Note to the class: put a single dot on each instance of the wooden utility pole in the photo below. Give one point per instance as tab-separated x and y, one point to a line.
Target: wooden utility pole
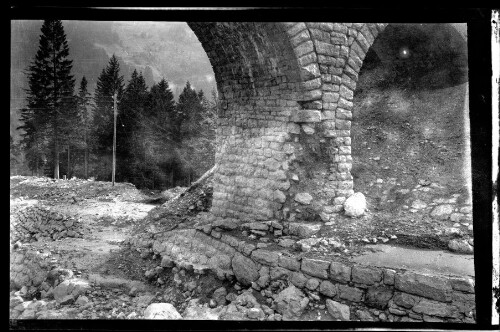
114	139
67	172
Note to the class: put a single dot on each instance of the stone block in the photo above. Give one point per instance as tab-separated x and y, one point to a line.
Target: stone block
308	130
291	303
366	275
327	288
306	116
434	308
279	196
343	114
343	124
265	257
326	48
389	276
277	272
432	287
304	48
340	272
463	284
312	283
405	300
245	269
303	230
352	294
338	310
298	279
310	71
315	267
378	297
290	263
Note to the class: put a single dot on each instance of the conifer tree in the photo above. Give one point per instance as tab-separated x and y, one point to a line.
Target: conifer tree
85	117
161	106
131	119
188	113
50	95
108	82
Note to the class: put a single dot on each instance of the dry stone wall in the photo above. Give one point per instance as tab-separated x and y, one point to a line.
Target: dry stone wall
357	292
28	268
283	131
39	223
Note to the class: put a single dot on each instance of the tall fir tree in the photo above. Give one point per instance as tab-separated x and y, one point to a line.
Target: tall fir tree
85	117
130	120
188	113
49	95
108	82
161	107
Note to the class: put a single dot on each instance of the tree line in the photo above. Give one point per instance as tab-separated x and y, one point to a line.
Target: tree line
160	143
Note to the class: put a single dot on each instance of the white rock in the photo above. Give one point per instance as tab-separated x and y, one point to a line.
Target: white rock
442	212
355	205
338	310
303	198
161	311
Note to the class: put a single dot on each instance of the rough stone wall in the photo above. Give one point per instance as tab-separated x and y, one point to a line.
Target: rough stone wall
258	83
283	129
28	268
371	293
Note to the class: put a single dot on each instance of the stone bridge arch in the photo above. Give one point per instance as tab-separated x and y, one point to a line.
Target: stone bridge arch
283	135
283	139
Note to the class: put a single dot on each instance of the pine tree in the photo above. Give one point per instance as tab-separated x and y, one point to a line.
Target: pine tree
158	147
108	82
50	95
130	119
161	107
85	116
188	113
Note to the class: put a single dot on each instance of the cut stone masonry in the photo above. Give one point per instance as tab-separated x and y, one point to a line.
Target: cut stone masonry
286	93
409	295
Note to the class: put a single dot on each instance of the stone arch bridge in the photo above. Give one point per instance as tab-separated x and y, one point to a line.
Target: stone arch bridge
286	96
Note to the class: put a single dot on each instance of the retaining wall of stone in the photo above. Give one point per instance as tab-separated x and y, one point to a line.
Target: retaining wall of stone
39	223
372	293
28	267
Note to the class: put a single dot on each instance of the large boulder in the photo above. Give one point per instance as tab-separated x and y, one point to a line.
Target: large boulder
245	270
70	289
355	205
291	303
161	311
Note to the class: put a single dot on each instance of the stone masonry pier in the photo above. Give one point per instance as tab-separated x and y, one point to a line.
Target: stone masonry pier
283	134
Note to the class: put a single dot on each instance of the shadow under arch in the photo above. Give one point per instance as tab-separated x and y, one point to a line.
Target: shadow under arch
410	119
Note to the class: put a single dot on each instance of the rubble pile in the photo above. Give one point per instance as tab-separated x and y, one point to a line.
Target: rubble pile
181	208
71	191
36	222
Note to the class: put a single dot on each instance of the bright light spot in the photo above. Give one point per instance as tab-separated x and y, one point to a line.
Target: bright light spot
209	78
404	52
